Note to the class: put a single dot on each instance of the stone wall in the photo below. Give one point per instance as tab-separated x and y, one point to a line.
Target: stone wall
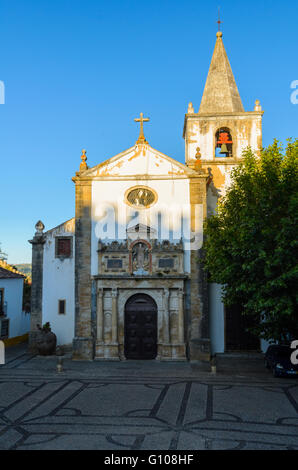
83	343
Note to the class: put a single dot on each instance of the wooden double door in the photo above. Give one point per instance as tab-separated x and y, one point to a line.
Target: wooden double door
140	327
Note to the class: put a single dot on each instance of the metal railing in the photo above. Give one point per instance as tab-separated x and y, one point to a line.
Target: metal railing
4	328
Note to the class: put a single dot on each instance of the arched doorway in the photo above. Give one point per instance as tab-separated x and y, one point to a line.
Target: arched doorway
140	327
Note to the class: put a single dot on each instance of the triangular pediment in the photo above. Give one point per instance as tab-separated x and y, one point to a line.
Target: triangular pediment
140	231
140	228
139	160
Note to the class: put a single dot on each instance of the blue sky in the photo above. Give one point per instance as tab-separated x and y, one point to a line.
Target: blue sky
77	72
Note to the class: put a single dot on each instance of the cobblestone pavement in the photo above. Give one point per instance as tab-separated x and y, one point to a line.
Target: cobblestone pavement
143	405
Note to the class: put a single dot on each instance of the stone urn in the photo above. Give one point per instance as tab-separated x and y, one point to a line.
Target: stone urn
213	364
46	341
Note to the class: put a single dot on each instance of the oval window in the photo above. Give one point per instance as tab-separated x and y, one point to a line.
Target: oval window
141	197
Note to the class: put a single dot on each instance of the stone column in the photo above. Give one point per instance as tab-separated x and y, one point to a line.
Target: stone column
166	327
114	316
180	316
165	352
198	334
99	350
177	325
99	314
111	345
83	341
37	243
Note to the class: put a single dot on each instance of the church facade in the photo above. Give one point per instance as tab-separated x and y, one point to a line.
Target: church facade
124	279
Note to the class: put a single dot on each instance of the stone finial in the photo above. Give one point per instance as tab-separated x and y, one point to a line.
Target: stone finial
39	227
83	165
258	107
198	162
198	153
190	109
219	34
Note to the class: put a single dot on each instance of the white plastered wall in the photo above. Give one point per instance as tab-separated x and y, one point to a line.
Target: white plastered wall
58	284
109	211
19	322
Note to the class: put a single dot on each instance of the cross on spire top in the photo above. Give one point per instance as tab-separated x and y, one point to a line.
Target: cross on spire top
218	21
141	120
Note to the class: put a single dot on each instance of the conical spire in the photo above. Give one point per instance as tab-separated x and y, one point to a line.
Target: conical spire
221	94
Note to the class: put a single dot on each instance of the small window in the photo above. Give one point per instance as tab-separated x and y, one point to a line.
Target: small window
4	328
63	247
61	307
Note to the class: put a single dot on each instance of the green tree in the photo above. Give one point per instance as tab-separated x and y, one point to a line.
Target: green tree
3	256
251	242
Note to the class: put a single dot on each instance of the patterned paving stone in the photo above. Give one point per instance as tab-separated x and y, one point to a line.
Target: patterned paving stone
114	408
69	414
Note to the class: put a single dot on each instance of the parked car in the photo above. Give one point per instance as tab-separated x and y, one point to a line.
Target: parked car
278	359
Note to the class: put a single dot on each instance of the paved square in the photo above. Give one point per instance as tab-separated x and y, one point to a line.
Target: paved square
142	405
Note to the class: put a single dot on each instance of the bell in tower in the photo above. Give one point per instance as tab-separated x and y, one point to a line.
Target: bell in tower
224	142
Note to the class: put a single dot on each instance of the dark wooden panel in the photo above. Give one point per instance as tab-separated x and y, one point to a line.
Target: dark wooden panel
140	328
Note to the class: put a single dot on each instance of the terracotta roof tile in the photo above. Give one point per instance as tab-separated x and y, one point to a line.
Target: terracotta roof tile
6	274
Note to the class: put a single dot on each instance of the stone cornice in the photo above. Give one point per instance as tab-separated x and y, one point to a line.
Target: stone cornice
222	161
81	180
37	240
136	277
88	179
219	115
214	116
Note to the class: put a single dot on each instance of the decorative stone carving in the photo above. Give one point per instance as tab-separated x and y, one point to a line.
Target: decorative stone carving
83	165
166	245
46	341
190	109
39	226
112	247
140	258
257	107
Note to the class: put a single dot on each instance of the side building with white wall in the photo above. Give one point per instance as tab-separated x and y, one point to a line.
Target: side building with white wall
14	322
58	281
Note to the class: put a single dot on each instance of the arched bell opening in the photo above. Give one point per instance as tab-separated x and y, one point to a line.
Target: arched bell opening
223	143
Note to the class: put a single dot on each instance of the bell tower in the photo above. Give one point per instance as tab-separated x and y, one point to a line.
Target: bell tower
221	129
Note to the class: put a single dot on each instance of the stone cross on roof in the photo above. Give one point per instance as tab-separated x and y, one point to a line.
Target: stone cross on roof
218	21
141	120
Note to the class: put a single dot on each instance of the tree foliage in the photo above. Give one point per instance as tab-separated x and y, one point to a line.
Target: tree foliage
251	242
3	256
